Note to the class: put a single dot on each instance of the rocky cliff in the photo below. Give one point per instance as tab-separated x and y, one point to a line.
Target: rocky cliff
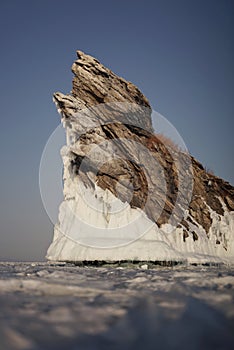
129	192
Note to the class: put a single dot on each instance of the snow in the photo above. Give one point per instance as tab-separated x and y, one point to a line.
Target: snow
205	248
95	225
62	306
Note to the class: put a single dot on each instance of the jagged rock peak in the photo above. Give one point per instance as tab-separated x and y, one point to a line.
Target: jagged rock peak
93	83
113	159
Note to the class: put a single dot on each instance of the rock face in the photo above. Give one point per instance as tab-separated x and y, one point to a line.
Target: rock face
129	192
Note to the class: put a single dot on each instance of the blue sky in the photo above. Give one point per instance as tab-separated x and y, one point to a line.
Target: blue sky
180	53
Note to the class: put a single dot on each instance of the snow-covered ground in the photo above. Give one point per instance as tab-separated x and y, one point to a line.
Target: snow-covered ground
62	306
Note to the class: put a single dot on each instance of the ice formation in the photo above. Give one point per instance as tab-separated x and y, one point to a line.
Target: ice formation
129	195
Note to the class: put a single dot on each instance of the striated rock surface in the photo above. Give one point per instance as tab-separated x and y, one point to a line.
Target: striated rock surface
129	192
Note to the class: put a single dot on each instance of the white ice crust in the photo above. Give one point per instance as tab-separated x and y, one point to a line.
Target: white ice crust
95	225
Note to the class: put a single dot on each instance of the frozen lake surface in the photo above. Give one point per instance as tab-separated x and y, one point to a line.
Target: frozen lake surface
63	306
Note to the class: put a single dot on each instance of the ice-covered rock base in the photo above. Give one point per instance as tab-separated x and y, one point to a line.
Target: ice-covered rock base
95	225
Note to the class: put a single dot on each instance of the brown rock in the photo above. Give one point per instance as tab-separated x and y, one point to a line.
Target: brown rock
130	177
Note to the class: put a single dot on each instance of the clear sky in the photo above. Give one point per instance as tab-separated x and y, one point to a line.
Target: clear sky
180	53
